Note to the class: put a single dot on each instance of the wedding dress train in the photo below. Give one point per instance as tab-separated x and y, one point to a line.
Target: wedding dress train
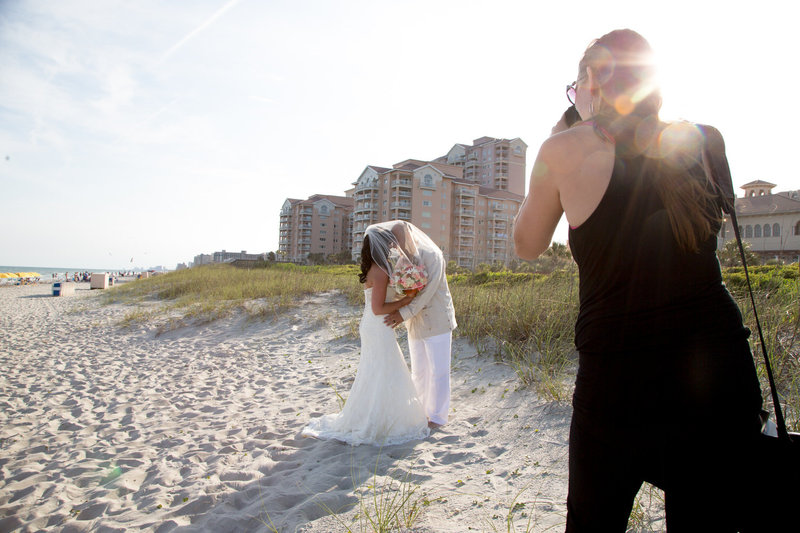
382	407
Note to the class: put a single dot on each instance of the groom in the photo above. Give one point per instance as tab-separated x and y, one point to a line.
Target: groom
430	319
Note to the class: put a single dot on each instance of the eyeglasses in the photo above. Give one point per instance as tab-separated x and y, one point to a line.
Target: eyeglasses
572	92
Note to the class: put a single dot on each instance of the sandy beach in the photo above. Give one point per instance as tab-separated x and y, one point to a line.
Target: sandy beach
105	427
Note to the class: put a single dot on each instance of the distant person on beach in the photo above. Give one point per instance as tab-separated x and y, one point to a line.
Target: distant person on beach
430	320
666	390
383	407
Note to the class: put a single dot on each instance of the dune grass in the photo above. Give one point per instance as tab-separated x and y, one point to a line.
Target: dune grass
210	292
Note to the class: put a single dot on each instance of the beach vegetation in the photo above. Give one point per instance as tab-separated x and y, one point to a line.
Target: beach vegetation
203	294
391	502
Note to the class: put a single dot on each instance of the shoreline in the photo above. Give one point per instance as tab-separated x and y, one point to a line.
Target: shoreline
198	428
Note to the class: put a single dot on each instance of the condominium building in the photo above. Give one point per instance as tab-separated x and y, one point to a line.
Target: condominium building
465	201
225	257
493	163
470	223
322	224
769	222
203	259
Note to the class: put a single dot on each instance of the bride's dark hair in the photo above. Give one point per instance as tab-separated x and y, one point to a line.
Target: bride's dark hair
366	260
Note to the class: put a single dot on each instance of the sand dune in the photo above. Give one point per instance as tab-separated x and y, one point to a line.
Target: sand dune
107	428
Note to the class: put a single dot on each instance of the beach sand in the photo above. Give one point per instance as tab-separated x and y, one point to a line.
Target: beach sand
111	428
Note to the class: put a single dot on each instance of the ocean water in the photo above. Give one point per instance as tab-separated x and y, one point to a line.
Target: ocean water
48	272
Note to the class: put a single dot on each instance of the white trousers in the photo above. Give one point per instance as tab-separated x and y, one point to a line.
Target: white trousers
430	370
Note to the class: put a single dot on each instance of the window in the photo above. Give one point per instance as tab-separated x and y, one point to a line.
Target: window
427	203
748	231
427	193
427	181
757	231
767	230
776	230
425	225
426	214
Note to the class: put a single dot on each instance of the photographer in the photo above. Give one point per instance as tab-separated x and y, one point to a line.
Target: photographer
666	390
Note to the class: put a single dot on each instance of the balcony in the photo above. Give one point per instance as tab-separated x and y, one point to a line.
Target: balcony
465	233
365	209
465	192
466	222
465	212
403	216
401	182
367	187
401	205
470	203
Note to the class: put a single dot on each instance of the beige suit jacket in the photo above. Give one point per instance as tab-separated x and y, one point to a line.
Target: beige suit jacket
431	313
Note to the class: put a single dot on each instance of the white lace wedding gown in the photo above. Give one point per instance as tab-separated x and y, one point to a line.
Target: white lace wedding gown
383	407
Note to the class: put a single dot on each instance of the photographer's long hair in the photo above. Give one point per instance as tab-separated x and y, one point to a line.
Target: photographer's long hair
627	108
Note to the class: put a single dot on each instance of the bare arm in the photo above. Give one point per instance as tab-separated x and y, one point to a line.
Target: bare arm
541	210
380	282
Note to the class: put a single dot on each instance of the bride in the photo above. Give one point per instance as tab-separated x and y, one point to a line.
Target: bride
383	407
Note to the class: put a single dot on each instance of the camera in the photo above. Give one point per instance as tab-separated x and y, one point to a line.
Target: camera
571	116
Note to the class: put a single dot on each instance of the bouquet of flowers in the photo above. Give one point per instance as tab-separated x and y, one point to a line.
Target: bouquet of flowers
406	276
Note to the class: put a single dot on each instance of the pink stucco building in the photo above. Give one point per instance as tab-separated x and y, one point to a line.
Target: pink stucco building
320	224
465	201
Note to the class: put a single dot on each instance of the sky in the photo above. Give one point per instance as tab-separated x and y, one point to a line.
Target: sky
137	134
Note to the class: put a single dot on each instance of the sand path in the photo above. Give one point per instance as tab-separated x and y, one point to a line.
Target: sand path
110	428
